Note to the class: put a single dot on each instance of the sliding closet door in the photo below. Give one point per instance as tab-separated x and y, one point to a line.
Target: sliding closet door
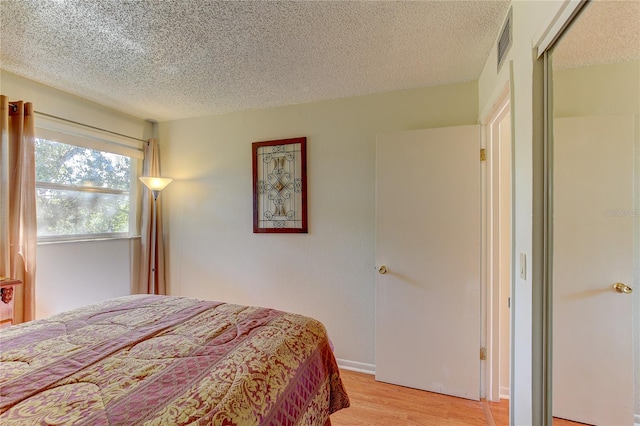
593	250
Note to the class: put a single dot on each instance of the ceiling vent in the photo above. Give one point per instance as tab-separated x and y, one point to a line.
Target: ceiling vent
506	37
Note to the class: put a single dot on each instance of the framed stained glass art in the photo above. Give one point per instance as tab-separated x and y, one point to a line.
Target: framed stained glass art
280	186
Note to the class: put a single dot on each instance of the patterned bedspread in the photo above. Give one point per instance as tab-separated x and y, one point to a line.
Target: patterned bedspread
160	360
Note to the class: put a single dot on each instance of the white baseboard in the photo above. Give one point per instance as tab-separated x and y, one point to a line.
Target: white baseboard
504	392
360	367
636	419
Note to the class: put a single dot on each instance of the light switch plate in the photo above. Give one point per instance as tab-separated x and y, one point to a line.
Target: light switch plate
523	266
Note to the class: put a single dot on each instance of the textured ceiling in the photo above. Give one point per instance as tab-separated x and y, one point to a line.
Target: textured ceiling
171	59
605	32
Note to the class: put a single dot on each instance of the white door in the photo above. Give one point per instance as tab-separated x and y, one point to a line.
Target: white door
593	240
428	237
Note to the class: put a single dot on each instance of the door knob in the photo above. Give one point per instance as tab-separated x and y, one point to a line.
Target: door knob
383	269
622	288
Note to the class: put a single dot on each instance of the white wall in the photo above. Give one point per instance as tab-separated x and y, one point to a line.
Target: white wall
328	273
75	274
530	20
61	104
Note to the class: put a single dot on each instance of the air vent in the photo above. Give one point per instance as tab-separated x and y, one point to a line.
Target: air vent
504	42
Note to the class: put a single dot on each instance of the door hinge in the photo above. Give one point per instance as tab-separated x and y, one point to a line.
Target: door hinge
483	154
483	354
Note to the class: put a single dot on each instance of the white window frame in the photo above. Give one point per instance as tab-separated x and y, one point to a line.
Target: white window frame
59	130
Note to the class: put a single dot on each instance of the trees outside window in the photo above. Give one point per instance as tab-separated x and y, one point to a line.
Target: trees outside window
81	192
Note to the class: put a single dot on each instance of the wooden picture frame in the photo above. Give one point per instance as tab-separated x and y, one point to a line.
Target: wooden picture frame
280	186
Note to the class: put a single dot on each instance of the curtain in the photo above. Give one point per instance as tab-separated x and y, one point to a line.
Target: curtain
18	226
149	250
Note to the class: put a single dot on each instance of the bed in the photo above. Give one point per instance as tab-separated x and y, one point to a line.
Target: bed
162	360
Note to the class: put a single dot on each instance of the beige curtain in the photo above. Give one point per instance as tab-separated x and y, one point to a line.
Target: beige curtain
151	167
18	227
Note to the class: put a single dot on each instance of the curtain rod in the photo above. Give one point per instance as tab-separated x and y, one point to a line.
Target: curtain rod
15	108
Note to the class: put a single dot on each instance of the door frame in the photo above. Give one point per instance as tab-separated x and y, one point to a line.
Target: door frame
492	242
490	247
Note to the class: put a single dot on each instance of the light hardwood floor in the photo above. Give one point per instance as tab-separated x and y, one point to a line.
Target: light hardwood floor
500	414
381	404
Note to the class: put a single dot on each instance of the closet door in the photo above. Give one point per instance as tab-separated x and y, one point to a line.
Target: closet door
593	250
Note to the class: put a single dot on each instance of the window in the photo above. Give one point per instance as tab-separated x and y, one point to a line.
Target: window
84	190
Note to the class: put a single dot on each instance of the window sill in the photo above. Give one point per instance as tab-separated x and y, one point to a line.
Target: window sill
74	240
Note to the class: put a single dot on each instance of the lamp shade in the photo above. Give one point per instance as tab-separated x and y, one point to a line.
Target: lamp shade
155	183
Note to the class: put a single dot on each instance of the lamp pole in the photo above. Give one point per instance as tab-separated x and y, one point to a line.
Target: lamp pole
153	247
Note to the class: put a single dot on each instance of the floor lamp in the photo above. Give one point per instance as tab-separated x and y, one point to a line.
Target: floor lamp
155	185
